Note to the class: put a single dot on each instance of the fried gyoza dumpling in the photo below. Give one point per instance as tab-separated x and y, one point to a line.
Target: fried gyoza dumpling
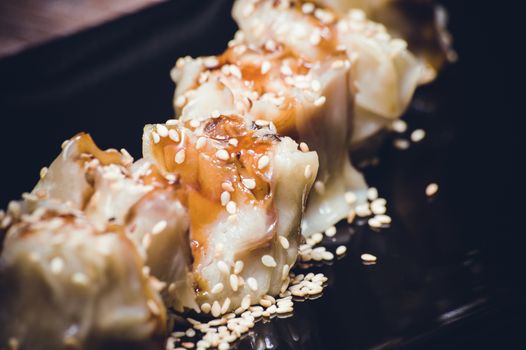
311	102
422	23
246	188
65	284
384	73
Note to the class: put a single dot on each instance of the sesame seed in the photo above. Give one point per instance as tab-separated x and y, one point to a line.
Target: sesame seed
231	207
211	62
234	70
384	219
238	267
57	265
222	154
249	183
315	37
418	135
265	67
285	69
252	283
234	142
262	122
399	126
223	346
80	278
156	137
319	187
43	172
218	288
373	222
225	198
320	101
180	156
341	250
304	147
154	308
268	261
194	123
284	242
245	302
215	114
234	282
223	267
431	189
327	256
315	85
216	309
307	7
173	135
350	197
368	257
363	210
285	271
263	161
159	227
330	232
200	142
227	186
372	193
401	144
162	130
226	306
190	332
308	171
206	307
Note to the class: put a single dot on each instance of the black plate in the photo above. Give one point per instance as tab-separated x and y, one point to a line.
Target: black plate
446	268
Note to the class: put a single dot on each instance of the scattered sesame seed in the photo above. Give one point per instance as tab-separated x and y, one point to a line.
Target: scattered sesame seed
159	227
265	67
226	305
180	156
363	210
285	271
222	154
308	171
319	187
263	161
162	130
372	193
80	278
173	135
57	265
245	302
156	137
399	126
431	189
43	172
231	207
234	142
252	284
268	261
284	242
215	114
320	101
223	267
227	186
401	144
249	183
368	257
225	198
341	250
285	69
206	307
307	7
262	122
384	219
304	147
190	332
373	222
238	267
330	232
234	282
218	288
350	197
418	135
200	142
194	123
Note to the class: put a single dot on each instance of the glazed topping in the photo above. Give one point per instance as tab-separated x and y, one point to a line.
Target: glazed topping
221	163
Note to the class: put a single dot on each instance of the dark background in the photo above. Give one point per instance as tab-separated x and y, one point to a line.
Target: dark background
111	80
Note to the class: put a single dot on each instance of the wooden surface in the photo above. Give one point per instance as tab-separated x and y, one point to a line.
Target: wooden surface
25	23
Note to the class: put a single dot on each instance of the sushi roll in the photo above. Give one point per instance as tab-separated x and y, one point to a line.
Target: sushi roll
384	73
245	192
66	284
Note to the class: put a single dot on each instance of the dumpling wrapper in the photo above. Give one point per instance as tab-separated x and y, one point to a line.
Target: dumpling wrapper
246	191
311	102
66	284
384	73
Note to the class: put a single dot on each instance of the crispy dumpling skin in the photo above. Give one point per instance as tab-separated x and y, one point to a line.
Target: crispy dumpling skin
384	73
64	284
244	191
311	102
